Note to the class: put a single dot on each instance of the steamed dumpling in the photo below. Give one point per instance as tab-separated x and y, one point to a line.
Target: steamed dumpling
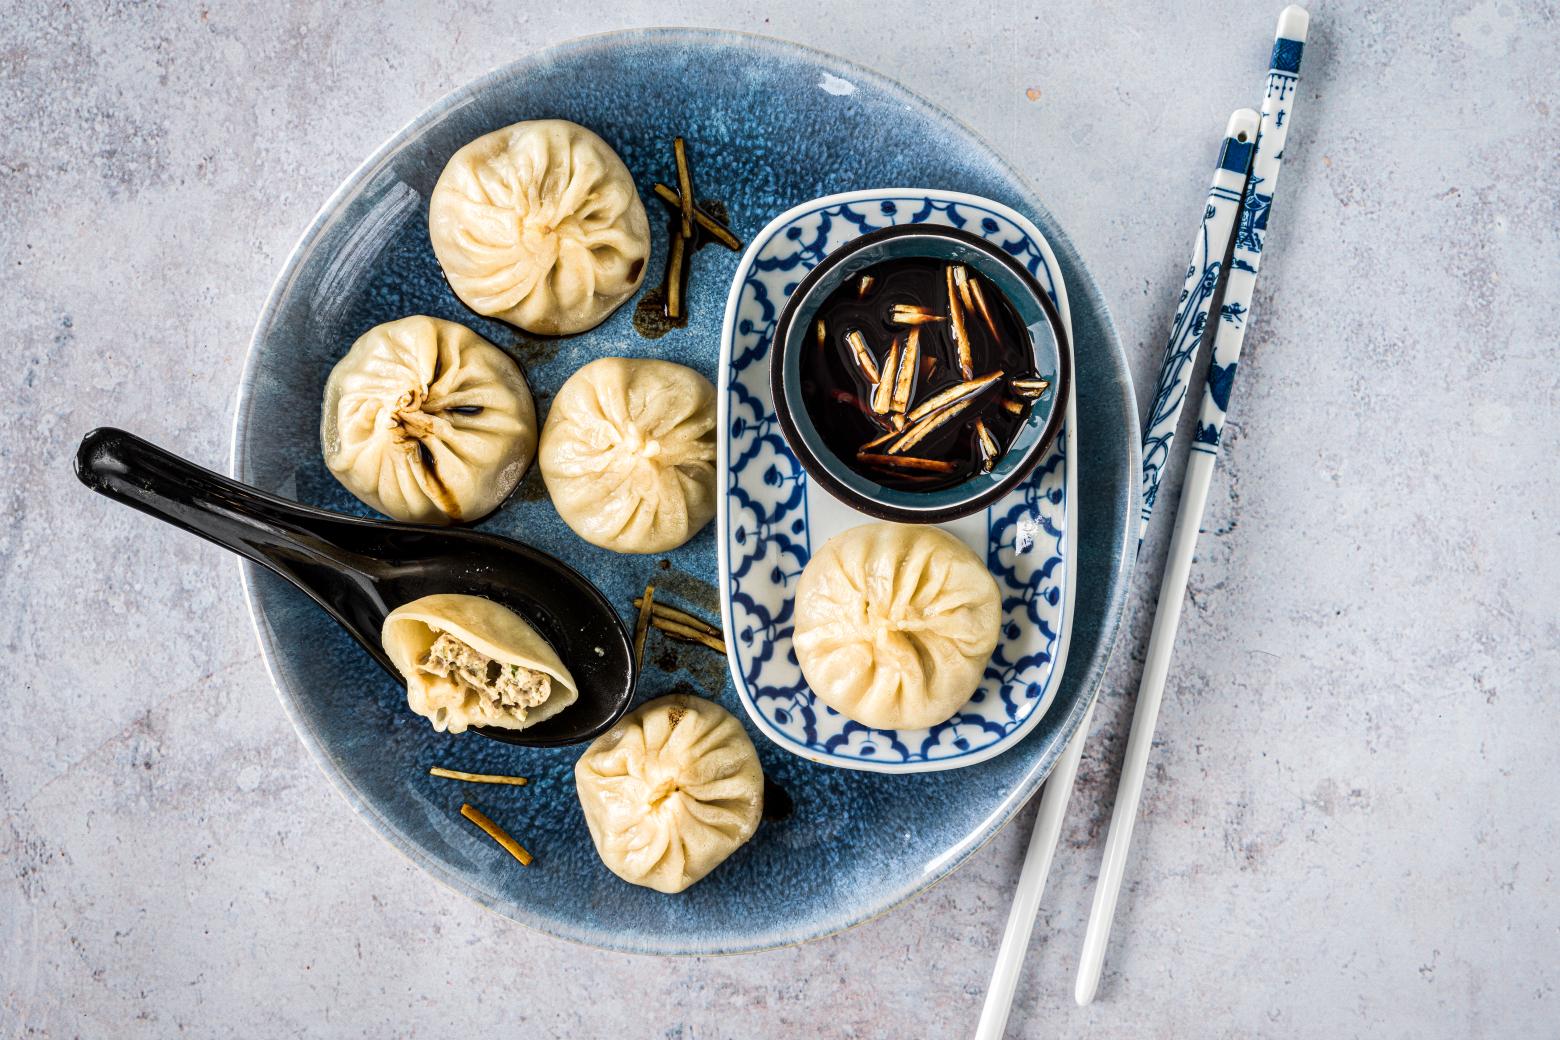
468	661
628	453
428	422
895	624
539	224
670	792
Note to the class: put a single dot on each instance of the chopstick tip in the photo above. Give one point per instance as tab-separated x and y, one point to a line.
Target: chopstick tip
1293	21
1243	125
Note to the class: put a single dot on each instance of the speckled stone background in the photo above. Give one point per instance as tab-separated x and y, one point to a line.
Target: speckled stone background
1350	828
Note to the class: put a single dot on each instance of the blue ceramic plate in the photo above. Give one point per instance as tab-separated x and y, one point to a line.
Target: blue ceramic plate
769	125
772	515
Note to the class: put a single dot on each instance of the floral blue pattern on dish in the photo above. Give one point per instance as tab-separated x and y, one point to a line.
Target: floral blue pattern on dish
773	516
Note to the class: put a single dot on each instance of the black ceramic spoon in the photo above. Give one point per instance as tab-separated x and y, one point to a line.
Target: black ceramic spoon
360	570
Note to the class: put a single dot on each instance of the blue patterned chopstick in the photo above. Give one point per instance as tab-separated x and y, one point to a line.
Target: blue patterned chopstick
1231	330
1283	77
1191	317
1191	313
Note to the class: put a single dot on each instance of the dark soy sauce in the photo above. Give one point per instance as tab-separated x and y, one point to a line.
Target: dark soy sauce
778	803
838	395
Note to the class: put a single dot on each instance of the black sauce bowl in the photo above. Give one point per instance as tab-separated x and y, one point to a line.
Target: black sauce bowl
1036	311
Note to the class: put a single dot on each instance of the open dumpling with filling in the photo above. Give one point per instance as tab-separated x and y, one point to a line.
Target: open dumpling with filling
539	224
628	454
427	422
895	624
670	791
469	661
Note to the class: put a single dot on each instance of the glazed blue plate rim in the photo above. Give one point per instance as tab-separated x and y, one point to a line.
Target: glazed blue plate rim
1067	434
1122	543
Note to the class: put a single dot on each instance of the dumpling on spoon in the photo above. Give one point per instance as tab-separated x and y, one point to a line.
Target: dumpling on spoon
539	225
468	661
628	454
428	422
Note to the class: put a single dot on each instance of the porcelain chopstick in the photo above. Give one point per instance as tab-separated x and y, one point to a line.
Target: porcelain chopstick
1191	314
1031	885
1283	77
1213	235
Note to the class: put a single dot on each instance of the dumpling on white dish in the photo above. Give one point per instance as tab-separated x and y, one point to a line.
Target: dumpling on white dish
468	661
539	224
628	454
670	792
895	624
428	422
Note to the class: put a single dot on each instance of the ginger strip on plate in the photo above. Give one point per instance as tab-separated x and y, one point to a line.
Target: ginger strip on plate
497	833
477	778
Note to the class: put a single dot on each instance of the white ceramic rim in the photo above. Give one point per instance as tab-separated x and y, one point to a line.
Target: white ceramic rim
722	464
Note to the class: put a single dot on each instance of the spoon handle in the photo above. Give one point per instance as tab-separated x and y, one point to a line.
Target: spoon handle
301	544
268	530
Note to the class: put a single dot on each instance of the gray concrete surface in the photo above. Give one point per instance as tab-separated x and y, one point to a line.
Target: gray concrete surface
1350	829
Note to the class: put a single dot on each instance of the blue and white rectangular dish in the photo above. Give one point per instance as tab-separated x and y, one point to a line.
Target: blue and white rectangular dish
771	515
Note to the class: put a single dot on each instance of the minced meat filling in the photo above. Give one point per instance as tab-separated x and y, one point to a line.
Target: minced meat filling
509	686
